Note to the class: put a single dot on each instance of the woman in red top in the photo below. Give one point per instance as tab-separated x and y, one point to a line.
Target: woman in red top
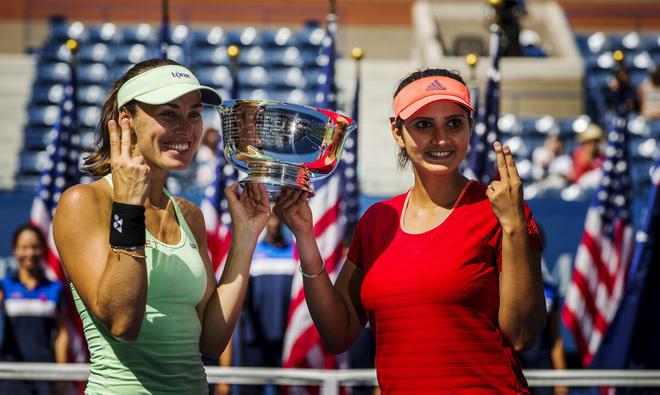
448	274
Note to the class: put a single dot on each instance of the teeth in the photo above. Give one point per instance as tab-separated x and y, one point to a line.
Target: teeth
440	154
178	146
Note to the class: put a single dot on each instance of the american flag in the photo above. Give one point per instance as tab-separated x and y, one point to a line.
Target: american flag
303	347
165	29
481	158
215	209
60	172
604	254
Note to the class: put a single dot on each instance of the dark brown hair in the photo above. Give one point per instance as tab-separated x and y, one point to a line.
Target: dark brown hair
402	156
98	162
28	228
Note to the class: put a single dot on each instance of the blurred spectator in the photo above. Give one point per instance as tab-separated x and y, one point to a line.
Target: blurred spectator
548	352
588	157
649	94
509	13
620	88
530	43
35	326
205	160
259	335
551	167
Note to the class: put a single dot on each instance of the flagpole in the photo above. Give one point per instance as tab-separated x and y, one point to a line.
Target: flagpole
234	51
164	29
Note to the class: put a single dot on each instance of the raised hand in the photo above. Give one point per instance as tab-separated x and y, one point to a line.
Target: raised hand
293	209
249	210
130	173
506	195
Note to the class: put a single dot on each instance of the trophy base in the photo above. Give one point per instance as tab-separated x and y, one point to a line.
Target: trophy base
277	175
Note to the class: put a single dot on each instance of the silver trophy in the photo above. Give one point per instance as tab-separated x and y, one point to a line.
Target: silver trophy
282	144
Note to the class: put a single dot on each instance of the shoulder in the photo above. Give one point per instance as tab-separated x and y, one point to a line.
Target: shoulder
85	200
87	194
192	214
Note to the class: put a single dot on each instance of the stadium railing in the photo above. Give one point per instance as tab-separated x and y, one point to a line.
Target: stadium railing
330	381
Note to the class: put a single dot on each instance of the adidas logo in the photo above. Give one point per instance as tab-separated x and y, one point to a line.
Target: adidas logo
436	86
117	223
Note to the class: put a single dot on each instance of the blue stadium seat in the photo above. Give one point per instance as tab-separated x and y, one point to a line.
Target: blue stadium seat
143	34
87	138
651	43
288	77
244	37
94	73
95	53
630	42
180	35
133	53
282	37
253	77
285	56
216	76
311	56
47	94
105	33
91	95
55	52
255	94
310	36
654	128
312	75
53	72
210	56
640	172
27	183
644	148
177	54
252	56
638	61
33	162
209	37
570	125
60	31
43	115
88	116
37	138
542	125
297	96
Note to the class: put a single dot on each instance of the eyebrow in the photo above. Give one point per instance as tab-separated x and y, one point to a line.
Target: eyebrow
462	115
176	106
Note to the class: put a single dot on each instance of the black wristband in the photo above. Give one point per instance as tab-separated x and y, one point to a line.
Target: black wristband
127	227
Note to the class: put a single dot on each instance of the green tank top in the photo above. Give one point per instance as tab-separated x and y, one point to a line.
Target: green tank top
165	359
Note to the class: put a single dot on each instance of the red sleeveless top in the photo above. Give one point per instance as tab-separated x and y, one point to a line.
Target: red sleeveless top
432	299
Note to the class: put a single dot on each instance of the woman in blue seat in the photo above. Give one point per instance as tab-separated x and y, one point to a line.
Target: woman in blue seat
136	257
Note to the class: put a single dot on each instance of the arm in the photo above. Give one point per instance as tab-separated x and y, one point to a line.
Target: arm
112	285
522	306
249	214
336	310
61	337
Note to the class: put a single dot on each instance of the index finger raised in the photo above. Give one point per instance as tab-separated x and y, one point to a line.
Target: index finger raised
501	162
115	149
125	138
510	164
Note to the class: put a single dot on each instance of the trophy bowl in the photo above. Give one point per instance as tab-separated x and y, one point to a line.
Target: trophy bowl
282	144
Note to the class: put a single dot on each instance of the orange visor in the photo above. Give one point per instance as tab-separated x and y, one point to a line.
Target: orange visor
428	90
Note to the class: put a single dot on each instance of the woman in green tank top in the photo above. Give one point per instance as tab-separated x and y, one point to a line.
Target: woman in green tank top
136	257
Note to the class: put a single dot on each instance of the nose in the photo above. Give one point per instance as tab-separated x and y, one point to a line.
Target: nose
439	136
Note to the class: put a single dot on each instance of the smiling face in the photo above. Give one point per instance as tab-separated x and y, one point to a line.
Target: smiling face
28	250
168	134
436	137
